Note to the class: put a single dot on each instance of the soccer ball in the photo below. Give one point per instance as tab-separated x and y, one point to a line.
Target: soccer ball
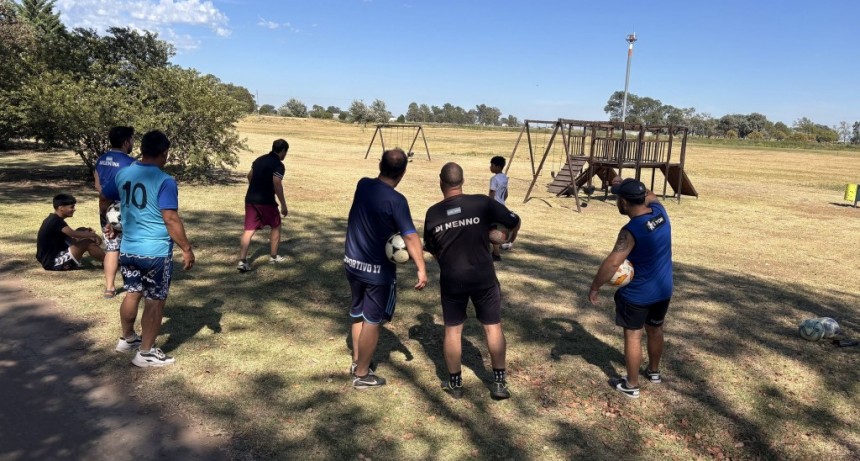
498	233
811	330
831	327
395	249
623	275
114	217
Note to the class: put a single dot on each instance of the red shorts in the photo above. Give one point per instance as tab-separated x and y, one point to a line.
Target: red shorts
260	216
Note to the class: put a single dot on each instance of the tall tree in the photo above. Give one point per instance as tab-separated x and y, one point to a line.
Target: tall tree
40	13
17	40
358	112
267	109
379	112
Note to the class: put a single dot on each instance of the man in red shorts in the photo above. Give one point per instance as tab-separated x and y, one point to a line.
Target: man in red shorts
261	209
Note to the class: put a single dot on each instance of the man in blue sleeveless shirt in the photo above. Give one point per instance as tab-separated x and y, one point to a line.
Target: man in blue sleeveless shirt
377	212
151	224
107	165
646	241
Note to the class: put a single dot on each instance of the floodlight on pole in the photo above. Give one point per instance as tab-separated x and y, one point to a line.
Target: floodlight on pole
630	39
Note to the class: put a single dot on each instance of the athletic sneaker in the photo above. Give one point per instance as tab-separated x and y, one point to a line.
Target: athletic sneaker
155	357
125	345
243	266
453	391
497	257
370	370
366	382
499	390
653	376
622	387
507	246
277	259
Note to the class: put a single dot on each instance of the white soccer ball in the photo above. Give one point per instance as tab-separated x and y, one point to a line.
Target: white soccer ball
498	233
395	249
623	275
811	330
831	327
114	217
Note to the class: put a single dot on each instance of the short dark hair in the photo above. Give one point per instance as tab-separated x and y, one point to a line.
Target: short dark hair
154	144
119	134
451	175
498	161
280	145
393	163
63	200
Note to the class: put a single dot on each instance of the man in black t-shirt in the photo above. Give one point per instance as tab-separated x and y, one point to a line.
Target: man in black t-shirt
58	247
456	232
261	209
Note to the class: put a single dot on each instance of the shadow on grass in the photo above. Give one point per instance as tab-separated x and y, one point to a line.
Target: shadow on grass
313	285
307	298
58	399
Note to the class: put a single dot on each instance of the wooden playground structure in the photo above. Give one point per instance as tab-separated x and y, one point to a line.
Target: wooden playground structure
399	134
604	150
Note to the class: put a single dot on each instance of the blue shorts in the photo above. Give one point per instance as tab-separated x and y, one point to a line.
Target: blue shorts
635	316
373	303
148	274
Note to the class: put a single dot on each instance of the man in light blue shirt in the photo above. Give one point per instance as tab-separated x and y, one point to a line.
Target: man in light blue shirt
151	225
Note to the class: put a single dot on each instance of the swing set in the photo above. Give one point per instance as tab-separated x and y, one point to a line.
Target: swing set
400	133
598	149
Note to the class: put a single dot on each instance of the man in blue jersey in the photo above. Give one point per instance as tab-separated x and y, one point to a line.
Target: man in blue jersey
646	240
377	212
117	157
151	225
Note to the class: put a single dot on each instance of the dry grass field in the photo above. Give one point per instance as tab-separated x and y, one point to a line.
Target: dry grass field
262	357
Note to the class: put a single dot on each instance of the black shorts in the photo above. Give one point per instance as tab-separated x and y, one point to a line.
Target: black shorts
635	316
373	303
487	302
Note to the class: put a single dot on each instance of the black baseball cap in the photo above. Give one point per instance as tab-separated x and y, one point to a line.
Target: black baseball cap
631	189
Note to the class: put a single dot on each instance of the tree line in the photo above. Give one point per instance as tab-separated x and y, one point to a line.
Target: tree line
377	112
754	126
66	88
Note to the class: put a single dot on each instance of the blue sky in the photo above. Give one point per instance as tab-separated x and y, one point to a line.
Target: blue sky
538	60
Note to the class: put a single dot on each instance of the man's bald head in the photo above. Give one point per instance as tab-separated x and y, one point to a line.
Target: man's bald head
393	163
451	176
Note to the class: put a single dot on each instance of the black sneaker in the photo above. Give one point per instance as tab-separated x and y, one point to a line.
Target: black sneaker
453	391
653	376
370	370
366	382
499	390
622	387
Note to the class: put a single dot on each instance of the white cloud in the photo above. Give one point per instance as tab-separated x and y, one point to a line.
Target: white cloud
277	25
268	24
162	16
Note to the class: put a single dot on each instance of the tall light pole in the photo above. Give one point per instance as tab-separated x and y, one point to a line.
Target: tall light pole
630	39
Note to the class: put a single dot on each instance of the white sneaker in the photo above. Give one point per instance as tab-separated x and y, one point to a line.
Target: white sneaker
507	246
126	345
155	357
243	266
277	259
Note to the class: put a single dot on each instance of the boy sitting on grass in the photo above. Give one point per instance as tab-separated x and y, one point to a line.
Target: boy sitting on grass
58	247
